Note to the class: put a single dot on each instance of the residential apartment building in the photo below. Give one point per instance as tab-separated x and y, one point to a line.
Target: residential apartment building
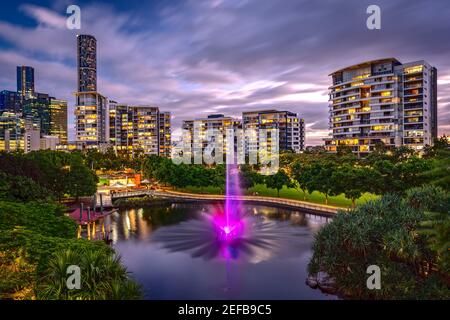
383	101
291	129
196	131
137	130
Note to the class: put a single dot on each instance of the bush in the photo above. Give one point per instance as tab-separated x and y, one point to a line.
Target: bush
382	232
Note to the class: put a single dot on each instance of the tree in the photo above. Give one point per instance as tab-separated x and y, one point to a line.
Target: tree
277	181
353	181
321	178
249	177
300	175
80	181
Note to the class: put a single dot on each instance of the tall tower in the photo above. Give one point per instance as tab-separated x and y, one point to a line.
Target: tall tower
87	63
91	107
25	81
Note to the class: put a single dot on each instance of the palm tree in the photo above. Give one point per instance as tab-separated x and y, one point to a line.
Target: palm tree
102	277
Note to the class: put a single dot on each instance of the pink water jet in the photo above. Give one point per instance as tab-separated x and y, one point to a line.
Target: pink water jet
229	224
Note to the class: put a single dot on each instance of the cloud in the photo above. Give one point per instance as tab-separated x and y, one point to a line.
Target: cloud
199	57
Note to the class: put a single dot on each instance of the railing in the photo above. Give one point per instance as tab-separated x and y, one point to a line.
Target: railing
260	199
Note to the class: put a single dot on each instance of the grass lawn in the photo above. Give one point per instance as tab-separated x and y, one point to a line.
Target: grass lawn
102	181
289	193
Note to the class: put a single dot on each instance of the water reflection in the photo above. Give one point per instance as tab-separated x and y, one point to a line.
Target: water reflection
174	253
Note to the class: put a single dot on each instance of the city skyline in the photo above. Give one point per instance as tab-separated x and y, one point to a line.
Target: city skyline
220	56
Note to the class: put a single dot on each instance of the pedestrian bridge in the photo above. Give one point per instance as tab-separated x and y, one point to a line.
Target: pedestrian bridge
296	204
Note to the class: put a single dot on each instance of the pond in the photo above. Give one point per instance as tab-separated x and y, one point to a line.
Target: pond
172	251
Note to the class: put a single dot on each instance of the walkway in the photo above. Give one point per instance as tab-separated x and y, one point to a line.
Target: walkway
296	204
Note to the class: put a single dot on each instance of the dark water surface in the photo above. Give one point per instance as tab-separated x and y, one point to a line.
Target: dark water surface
173	252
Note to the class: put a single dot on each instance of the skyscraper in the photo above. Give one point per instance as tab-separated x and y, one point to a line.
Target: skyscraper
91	107
87	63
37	110
10	101
383	101
58	119
25	81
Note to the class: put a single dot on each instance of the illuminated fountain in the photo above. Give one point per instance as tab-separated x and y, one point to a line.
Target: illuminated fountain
229	230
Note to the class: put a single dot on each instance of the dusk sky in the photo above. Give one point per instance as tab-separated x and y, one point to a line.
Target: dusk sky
195	58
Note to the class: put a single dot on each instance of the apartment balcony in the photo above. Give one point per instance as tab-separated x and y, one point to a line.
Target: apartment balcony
413	100
412	79
412	106
415	126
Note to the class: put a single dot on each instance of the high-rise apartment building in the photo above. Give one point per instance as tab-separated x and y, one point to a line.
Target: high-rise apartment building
91	107
216	124
25	81
165	134
290	126
58	119
383	101
137	130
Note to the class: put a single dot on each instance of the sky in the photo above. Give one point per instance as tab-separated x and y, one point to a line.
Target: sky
197	57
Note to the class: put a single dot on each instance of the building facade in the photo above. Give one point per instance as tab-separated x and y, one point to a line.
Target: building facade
25	82
91	113
195	132
138	130
383	101
165	134
10	101
290	126
11	132
58	119
37	110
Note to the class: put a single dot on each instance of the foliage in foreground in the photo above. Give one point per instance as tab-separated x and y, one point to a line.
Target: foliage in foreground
102	277
388	233
34	237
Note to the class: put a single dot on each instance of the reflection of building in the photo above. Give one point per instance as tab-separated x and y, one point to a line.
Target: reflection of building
383	101
291	128
139	129
10	101
11	132
58	119
91	107
25	82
